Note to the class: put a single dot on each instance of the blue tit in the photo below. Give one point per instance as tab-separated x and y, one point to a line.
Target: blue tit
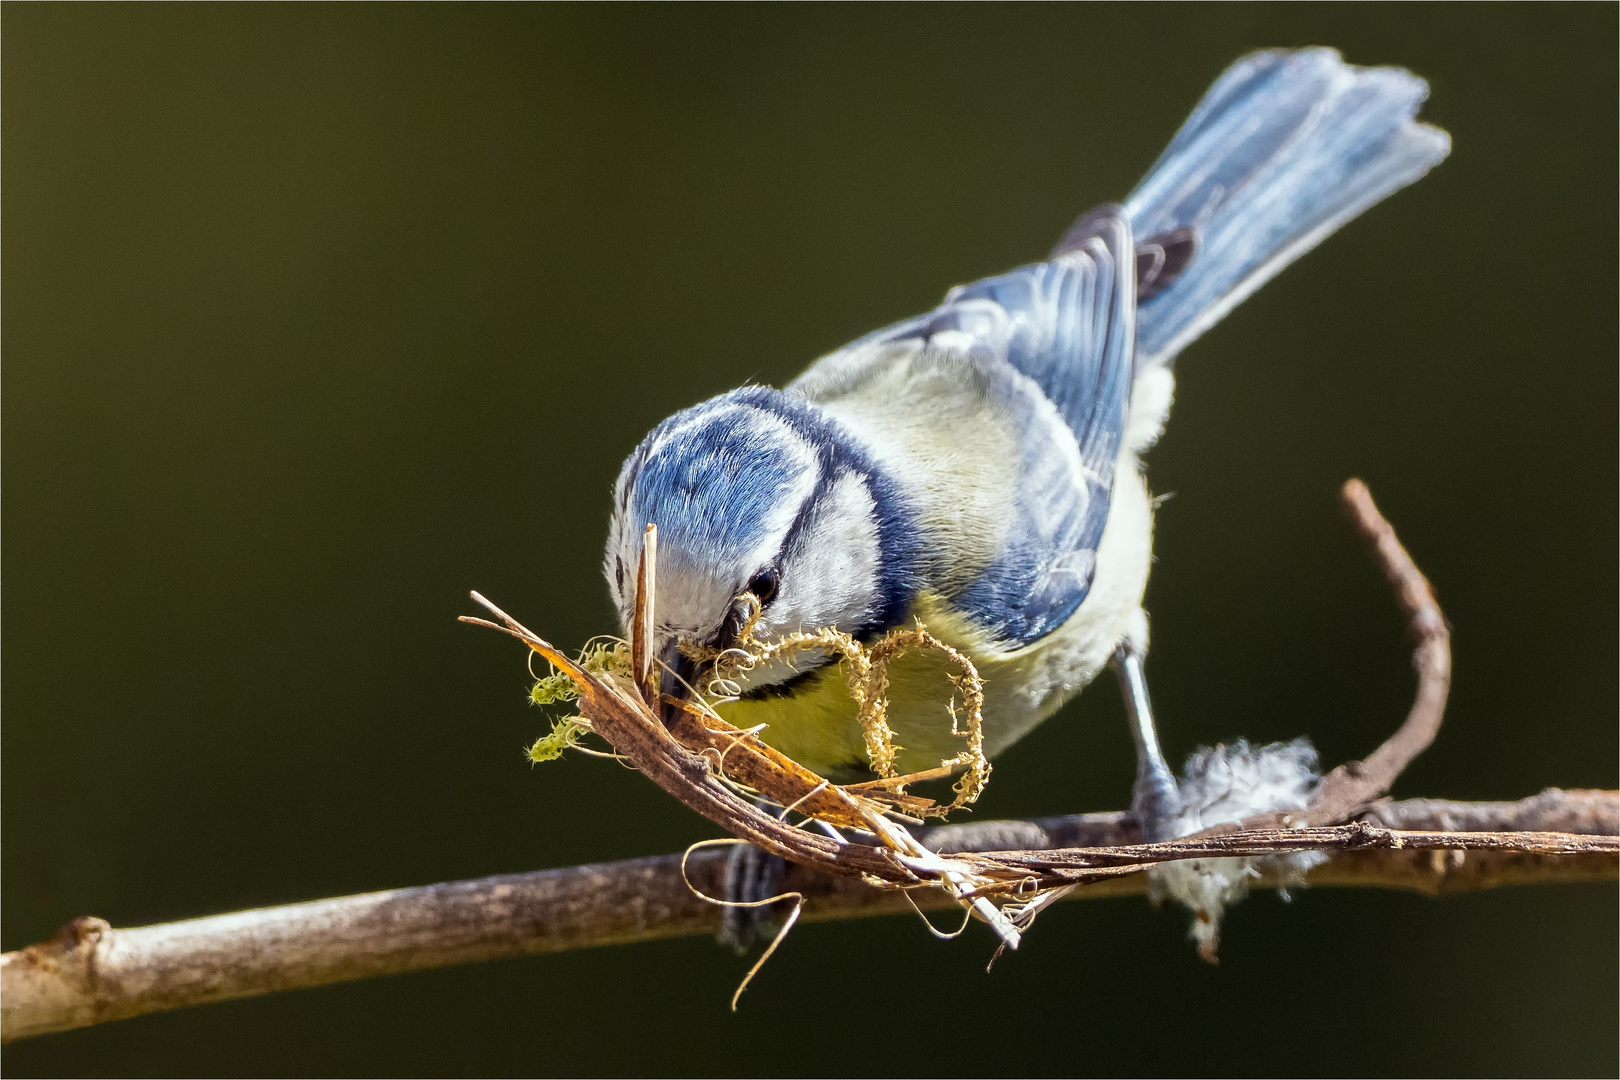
979	467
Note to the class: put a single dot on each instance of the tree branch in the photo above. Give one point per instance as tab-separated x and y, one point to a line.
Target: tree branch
90	973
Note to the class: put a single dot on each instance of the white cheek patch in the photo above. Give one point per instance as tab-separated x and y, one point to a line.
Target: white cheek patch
832	575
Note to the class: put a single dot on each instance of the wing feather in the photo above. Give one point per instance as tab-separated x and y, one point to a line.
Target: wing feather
1043	353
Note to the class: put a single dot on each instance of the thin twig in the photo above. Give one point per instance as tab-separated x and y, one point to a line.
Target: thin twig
1069	865
1355	785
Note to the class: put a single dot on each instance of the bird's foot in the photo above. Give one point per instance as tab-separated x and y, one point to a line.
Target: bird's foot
1155	798
752	875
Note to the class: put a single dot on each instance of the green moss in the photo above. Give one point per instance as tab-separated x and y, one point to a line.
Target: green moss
565	735
552	689
599	657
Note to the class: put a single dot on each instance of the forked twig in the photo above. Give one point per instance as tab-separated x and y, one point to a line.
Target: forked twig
1355	785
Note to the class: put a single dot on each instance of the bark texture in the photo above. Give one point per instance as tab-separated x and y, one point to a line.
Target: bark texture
90	973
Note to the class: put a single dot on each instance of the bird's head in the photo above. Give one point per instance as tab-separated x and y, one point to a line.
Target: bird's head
757	494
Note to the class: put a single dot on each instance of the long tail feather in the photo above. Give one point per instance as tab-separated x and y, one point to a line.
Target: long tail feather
1285	148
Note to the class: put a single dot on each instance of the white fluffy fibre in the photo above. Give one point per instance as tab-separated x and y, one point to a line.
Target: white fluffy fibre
1224	785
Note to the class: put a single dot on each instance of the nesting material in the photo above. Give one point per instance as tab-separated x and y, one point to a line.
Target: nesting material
1225	785
867	672
699	728
1284	812
600	656
620	701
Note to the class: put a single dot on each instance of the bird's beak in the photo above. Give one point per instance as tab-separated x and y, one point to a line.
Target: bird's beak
678	674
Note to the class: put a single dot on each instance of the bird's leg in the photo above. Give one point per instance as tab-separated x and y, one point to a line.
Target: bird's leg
1155	799
752	875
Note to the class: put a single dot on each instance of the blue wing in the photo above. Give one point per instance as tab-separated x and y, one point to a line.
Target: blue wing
1043	354
1072	329
1285	148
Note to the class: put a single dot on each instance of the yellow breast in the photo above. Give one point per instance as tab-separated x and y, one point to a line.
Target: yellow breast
816	724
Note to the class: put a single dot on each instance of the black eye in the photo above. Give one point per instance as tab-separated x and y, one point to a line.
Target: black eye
764	585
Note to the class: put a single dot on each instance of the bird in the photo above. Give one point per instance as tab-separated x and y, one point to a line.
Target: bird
980	467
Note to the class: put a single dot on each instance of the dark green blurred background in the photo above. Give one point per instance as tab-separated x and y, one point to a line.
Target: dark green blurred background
317	317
